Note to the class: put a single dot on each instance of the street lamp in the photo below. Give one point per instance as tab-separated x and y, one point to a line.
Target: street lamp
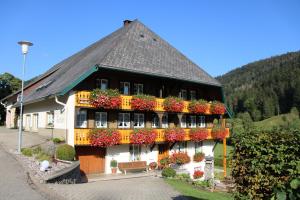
24	45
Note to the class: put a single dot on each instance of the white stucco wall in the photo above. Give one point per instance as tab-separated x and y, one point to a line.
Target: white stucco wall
70	112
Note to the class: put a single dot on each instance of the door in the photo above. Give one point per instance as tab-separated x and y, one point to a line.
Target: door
163	151
92	159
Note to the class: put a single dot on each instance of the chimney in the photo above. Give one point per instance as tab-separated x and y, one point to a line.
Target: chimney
126	22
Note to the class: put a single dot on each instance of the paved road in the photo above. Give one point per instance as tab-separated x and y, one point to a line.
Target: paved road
13	182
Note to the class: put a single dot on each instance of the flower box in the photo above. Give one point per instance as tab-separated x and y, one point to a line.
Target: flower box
179	158
217	108
198	174
174	134
143	136
218	132
198	157
173	104
105	137
198	134
107	99
198	107
143	102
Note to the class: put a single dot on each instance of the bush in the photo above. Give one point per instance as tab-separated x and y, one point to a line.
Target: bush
65	152
26	152
165	161
57	140
37	150
168	172
43	156
183	176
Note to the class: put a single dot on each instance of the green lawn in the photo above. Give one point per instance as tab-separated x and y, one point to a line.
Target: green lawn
219	151
193	193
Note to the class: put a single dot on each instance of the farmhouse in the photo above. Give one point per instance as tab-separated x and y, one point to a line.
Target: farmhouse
129	97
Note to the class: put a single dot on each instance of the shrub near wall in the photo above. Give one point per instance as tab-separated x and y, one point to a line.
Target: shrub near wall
65	152
264	164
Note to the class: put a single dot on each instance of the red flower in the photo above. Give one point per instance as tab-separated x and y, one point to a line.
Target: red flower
198	107
143	136
218	133
198	174
174	134
173	104
105	137
180	158
107	99
143	102
198	157
217	108
198	134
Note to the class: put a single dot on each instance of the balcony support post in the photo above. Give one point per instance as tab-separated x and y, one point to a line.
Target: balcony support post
160	116
224	157
179	115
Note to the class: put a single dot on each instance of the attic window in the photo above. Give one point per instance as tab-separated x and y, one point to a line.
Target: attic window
154	39
142	35
45	85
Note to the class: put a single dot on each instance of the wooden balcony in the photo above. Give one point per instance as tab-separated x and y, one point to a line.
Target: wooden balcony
83	100
81	136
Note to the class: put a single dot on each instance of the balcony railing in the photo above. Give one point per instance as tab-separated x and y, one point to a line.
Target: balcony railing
83	100
82	135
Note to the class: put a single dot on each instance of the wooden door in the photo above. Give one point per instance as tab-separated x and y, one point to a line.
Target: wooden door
163	151
92	159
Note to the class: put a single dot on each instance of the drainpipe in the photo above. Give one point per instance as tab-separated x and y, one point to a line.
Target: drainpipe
66	110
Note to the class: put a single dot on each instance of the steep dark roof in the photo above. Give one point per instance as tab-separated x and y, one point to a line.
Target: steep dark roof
132	48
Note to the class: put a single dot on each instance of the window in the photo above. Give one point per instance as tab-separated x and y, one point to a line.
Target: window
165	122
135	152
193	94
101	119
181	146
138	88
102	84
50	119
138	120
192	121
81	121
125	88
198	147
183	94
124	120
155	121
183	121
201	122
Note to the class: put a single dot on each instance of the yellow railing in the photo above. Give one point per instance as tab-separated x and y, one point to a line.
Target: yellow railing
82	135
83	100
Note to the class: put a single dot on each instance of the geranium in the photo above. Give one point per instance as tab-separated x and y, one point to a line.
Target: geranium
198	107
173	104
174	134
217	108
143	102
108	99
198	157
180	158
153	165
218	132
198	174
105	137
198	134
143	136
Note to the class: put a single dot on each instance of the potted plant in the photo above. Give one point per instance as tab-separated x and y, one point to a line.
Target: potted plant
217	108
198	174
198	107
164	162
107	99
218	132
173	104
198	134
174	134
179	158
113	166
199	156
143	136
143	102
105	137
153	165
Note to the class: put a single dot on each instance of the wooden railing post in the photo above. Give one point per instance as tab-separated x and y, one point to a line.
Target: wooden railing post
224	157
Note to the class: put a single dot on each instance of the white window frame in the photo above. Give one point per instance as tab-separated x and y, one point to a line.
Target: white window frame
193	95
122	87
165	121
138	88
50	119
81	118
192	121
183	121
135	152
138	120
101	119
201	122
155	121
124	120
183	94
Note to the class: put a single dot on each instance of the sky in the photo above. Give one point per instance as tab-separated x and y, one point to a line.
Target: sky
217	35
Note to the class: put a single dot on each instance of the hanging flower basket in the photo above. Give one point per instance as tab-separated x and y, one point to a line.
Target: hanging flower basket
198	157
198	174
105	137
198	107
174	134
173	104
143	136
107	99
218	132
180	158
198	134
217	108
143	102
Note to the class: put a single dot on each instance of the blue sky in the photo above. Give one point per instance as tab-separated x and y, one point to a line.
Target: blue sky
217	35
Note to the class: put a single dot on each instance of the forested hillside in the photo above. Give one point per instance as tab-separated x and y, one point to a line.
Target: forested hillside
264	88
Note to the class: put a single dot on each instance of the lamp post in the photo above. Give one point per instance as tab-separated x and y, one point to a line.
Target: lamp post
24	45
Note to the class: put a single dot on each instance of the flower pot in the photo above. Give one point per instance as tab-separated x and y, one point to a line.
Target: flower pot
114	170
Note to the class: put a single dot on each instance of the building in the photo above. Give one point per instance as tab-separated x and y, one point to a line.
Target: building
134	60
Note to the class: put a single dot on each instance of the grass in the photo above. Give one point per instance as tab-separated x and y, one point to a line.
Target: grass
193	193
